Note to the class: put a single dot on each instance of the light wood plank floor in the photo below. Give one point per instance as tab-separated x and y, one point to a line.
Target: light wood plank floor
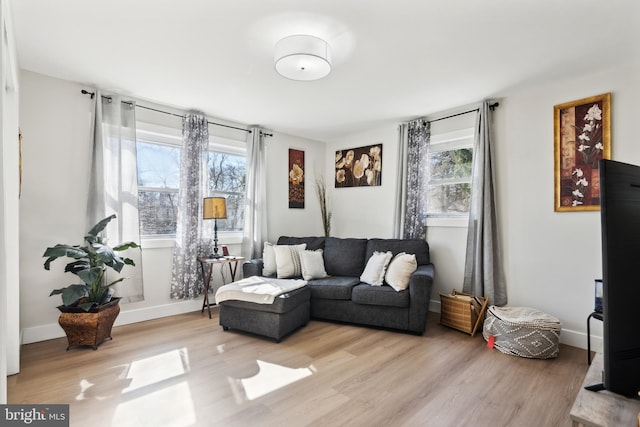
185	371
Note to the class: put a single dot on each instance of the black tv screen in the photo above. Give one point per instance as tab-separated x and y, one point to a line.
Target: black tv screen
620	217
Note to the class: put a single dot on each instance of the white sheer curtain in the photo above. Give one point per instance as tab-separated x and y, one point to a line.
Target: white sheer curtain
114	185
483	266
186	279
255	218
401	183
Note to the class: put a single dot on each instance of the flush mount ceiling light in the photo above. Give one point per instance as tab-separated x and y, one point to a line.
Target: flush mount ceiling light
302	57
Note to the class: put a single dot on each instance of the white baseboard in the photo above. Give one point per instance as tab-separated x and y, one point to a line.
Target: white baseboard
567	336
53	330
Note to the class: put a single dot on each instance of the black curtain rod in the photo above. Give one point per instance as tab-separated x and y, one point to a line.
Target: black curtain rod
85	92
491	107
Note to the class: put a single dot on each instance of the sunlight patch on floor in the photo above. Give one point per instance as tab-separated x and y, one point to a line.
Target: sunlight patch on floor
171	406
269	378
155	369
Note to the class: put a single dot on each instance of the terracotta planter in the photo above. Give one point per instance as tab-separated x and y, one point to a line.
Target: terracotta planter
88	327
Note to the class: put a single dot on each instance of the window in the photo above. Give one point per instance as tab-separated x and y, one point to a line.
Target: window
158	152
450	160
226	171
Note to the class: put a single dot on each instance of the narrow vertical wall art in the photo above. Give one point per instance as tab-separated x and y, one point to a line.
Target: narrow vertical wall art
582	137
296	179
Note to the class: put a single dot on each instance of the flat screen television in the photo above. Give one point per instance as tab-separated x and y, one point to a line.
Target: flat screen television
620	218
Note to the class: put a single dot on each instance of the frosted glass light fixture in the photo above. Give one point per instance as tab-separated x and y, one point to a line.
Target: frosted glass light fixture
302	57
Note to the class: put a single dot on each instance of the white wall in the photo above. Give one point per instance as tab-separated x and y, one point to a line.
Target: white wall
550	259
365	211
9	203
55	122
283	221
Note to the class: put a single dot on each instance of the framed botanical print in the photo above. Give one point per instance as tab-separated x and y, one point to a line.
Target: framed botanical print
582	136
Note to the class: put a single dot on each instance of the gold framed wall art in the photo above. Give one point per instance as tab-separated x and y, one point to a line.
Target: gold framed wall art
582	136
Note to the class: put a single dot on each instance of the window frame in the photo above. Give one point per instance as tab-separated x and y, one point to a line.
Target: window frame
442	142
151	133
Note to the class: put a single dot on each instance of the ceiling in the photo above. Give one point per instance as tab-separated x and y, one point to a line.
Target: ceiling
392	59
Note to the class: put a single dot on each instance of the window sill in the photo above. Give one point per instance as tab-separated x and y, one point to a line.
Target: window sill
224	238
158	242
457	222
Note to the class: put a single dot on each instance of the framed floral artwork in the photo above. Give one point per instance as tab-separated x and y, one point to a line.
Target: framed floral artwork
296	179
582	136
359	167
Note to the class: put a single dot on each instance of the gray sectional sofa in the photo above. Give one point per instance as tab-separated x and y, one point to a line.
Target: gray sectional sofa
342	297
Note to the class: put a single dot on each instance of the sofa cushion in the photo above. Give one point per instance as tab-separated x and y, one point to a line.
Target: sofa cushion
377	264
269	260
419	247
400	270
288	260
379	295
313	243
344	257
281	304
312	264
332	287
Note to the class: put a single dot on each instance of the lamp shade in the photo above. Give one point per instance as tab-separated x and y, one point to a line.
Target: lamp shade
214	208
302	57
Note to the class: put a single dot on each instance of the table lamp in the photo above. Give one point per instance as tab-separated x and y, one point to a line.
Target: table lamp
214	208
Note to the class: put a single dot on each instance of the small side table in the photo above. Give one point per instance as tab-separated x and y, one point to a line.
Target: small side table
231	261
595	315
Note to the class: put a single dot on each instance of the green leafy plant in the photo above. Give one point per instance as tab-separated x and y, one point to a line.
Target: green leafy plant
89	263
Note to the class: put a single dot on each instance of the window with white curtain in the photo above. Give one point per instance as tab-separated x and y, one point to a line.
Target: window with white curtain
450	159
158	151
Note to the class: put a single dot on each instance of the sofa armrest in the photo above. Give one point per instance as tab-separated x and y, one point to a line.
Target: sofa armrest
420	286
252	267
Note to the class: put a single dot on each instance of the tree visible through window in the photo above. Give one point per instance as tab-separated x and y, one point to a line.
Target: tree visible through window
159	182
450	167
227	178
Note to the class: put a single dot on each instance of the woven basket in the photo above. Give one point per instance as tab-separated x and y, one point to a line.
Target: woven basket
461	311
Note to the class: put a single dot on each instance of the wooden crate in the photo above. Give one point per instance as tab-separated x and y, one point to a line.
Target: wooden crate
461	311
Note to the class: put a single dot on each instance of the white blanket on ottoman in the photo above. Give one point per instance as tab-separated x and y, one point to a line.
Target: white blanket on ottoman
261	290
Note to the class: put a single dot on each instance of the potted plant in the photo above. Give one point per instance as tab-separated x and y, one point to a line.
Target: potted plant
88	310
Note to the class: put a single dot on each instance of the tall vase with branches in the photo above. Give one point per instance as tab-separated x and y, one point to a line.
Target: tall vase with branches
321	192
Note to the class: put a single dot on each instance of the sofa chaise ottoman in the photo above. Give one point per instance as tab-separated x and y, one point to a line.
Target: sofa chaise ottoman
287	312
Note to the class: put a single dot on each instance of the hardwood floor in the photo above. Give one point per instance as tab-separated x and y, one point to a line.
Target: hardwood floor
185	371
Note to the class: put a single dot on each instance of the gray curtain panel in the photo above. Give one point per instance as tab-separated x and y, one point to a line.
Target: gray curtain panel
483	265
114	186
415	214
255	218
187	280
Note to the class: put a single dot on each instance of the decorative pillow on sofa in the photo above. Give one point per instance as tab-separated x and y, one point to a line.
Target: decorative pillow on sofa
373	273
400	270
288	260
268	260
312	264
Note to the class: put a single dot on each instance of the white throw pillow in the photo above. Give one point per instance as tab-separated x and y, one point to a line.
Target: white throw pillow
312	265
288	260
268	260
400	270
373	273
